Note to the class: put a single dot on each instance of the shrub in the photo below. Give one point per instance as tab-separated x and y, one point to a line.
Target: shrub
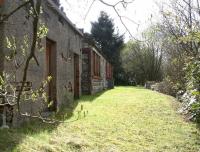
191	98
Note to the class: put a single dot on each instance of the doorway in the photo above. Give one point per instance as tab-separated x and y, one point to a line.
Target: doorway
51	71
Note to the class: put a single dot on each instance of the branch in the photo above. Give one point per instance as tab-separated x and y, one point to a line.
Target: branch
14	11
5	95
36	60
123	2
123	23
131	20
7	104
48	120
32	53
198	7
89	9
45	120
120	17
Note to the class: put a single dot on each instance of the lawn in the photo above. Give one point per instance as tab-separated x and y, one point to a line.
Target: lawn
123	119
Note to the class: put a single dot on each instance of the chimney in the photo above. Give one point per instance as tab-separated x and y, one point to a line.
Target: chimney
62	9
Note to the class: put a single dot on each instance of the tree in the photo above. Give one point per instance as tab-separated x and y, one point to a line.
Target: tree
180	26
142	62
111	43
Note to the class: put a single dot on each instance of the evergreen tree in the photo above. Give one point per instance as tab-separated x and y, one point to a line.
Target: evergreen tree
103	32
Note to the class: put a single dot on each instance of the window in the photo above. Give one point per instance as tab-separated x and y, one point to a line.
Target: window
96	64
109	71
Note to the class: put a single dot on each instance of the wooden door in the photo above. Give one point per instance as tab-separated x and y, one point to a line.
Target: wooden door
51	71
76	76
2	2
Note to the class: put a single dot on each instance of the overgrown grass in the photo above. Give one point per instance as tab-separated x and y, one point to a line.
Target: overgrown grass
123	119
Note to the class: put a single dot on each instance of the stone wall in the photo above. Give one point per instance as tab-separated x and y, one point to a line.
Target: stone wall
1	50
86	72
68	41
1	41
98	84
91	84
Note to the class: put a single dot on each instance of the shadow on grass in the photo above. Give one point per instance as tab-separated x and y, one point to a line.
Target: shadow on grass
90	98
11	138
68	110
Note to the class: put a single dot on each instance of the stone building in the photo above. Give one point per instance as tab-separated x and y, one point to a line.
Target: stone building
59	56
97	72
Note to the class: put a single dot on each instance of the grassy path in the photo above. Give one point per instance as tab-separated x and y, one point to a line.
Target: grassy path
123	119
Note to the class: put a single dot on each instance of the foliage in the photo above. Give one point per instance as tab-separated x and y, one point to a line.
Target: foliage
180	27
142	62
113	124
103	32
192	68
8	91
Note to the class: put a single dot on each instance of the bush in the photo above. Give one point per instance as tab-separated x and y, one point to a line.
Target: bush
191	97
166	87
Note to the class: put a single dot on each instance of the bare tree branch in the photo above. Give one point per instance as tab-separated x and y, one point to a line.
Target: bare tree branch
88	11
32	53
14	11
120	17
114	6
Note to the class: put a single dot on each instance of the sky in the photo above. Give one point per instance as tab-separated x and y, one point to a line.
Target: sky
140	12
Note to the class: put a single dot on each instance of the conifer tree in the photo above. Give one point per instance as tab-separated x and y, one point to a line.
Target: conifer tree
110	42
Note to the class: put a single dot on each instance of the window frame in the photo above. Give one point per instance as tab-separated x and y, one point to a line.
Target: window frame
109	71
96	59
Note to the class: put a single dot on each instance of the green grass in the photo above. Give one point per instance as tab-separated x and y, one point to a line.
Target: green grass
123	119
